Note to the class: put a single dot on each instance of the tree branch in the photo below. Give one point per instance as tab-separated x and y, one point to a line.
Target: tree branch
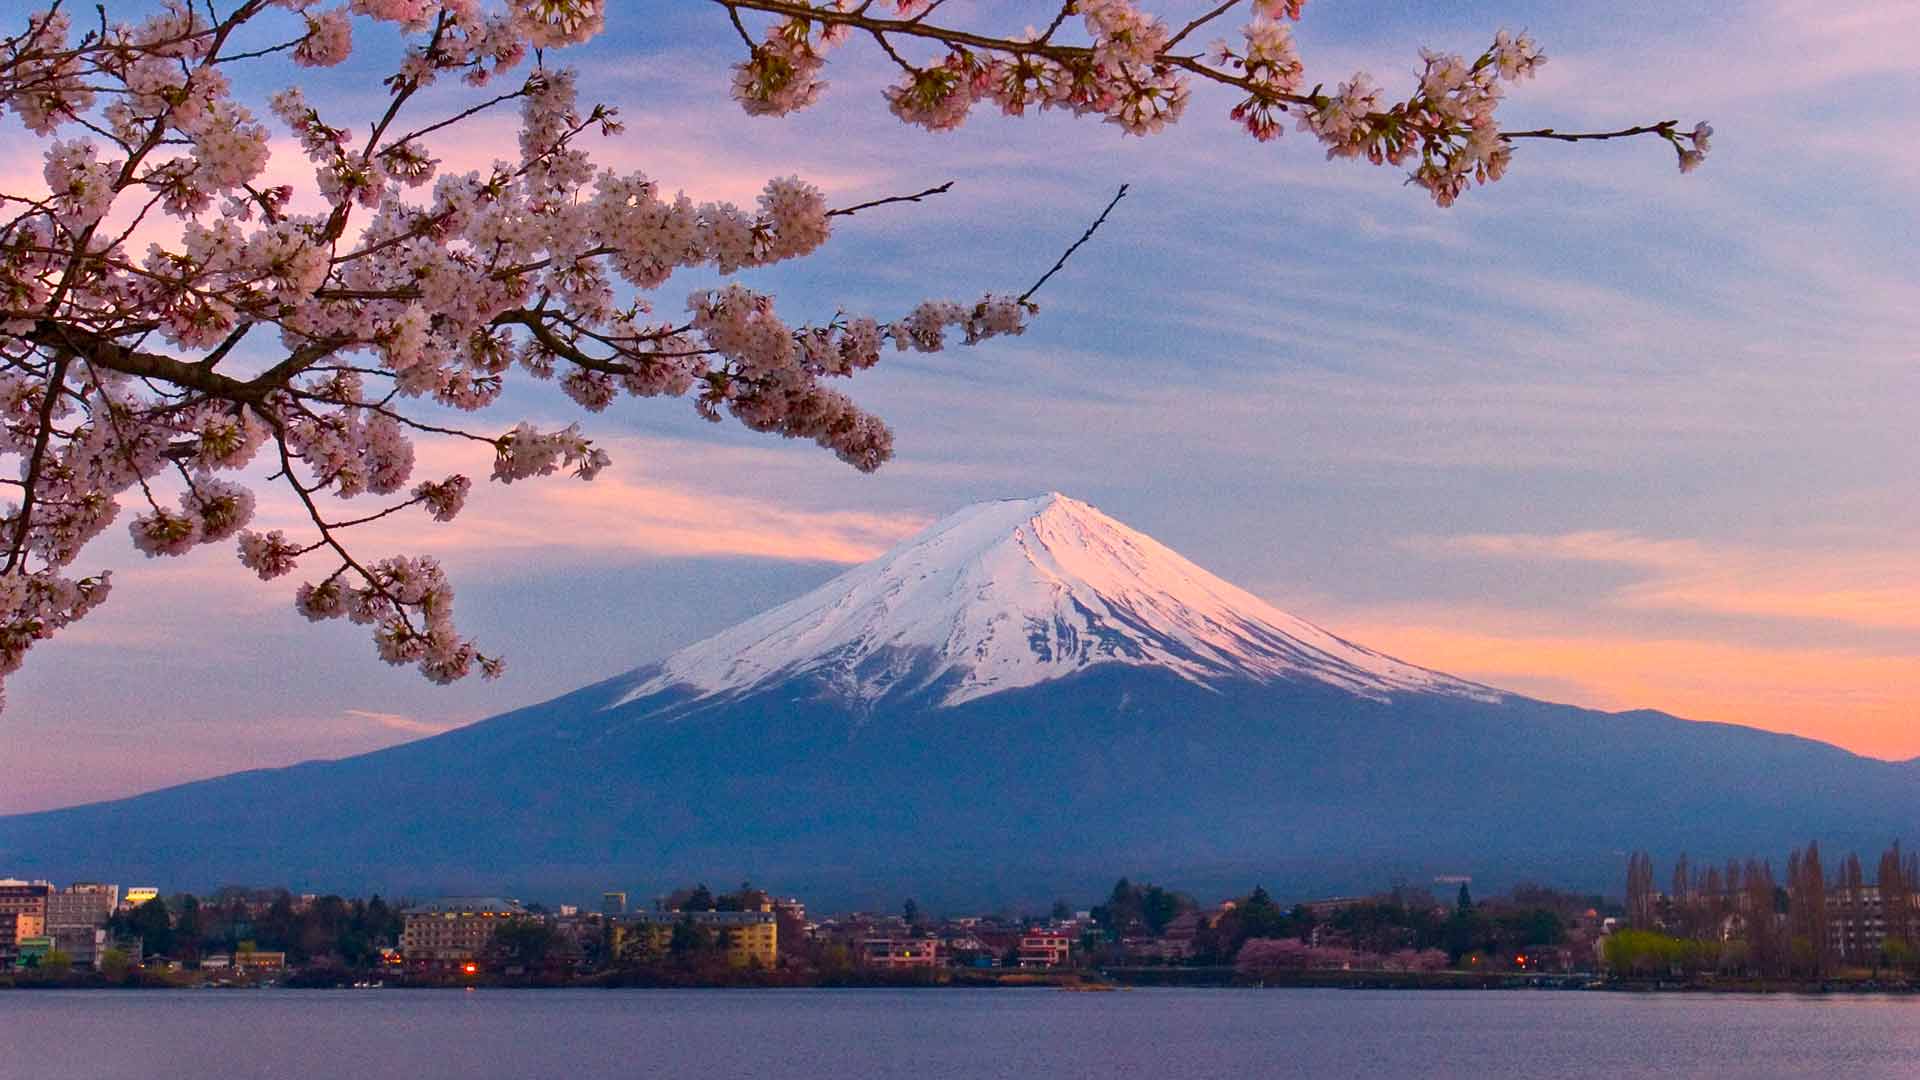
1068	254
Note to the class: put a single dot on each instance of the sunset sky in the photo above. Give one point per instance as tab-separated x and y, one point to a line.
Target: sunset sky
1599	434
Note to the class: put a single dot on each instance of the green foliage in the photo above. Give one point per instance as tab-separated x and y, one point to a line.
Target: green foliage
1897	955
56	964
1537	926
1386	927
329	929
1648	953
1137	909
525	943
640	949
115	965
690	942
151	922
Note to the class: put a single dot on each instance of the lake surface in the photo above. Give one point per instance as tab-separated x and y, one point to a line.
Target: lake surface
1166	1034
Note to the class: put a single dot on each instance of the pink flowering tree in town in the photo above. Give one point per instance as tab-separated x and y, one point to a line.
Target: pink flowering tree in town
170	318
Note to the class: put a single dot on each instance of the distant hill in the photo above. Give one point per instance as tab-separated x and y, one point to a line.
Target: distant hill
1025	701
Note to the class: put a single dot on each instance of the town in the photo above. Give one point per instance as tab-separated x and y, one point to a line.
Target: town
1734	929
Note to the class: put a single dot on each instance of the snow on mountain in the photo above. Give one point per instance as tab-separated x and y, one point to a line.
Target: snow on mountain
1010	594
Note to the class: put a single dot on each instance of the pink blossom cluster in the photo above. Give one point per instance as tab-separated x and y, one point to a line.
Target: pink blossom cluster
1414	960
1692	146
394	588
1121	76
1260	955
36	605
1281	954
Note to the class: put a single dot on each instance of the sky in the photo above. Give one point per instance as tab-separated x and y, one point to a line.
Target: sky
1600	433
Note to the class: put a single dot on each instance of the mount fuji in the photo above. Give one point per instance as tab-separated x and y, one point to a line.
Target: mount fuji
1026	700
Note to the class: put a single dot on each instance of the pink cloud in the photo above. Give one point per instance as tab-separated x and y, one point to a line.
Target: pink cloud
1861	699
402	722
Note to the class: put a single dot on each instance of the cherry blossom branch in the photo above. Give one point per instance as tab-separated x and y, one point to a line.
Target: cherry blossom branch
1133	71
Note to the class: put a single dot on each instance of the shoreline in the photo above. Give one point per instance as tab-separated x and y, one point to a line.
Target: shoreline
1095	981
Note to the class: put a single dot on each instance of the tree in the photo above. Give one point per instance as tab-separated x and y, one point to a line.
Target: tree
187	929
1159	906
690	942
55	965
526	943
115	964
1807	910
151	923
1640	906
910	911
1684	902
1896	884
1767	953
169	316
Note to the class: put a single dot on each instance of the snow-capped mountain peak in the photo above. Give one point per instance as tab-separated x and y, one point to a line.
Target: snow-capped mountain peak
1009	594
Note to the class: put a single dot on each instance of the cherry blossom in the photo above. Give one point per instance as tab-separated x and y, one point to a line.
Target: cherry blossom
238	332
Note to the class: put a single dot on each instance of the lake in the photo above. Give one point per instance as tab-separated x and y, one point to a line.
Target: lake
1166	1034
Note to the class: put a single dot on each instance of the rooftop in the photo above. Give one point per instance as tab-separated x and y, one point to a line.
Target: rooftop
468	905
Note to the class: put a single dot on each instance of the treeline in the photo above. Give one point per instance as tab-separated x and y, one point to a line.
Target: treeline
1741	919
328	929
1404	927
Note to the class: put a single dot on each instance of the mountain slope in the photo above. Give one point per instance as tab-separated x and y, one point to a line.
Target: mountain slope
1024	702
1009	594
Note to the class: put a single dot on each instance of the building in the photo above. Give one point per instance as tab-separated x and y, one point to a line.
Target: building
748	938
613	904
260	963
1044	948
1333	905
791	915
454	930
24	897
23	914
84	945
82	904
139	894
30	951
15	927
900	953
1859	936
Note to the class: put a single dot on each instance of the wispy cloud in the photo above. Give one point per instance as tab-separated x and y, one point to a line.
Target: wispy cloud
1873	589
402	722
648	504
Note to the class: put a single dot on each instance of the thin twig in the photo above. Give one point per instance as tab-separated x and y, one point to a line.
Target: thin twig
1068	254
857	207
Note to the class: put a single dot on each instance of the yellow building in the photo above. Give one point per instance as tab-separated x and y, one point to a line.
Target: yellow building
748	938
255	962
